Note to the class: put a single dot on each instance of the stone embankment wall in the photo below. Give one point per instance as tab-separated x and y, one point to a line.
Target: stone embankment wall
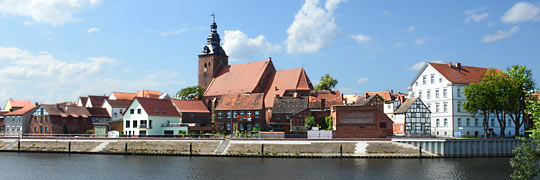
465	147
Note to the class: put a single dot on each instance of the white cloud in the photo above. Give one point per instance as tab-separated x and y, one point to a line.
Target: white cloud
420	41
55	12
387	13
239	46
313	27
476	17
500	35
92	30
43	78
173	32
362	80
411	28
361	38
521	12
419	65
399	44
473	11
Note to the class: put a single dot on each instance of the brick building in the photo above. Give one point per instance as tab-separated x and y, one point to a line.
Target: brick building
55	119
321	101
195	114
360	122
239	112
289	113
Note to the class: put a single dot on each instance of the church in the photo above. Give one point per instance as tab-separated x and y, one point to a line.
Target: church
241	96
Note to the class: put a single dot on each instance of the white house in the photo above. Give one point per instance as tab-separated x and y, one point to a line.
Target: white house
152	117
440	87
116	108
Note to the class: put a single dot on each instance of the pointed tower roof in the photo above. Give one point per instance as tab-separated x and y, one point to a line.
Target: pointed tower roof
213	41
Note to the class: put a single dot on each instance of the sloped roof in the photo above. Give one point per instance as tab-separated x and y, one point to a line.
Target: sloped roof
238	78
65	111
97	101
290	105
463	75
119	103
83	100
282	80
196	106
364	101
331	98
405	106
22	111
352	99
148	94
158	107
98	112
19	103
386	95
124	95
240	101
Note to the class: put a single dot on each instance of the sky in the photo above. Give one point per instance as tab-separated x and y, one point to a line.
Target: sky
57	50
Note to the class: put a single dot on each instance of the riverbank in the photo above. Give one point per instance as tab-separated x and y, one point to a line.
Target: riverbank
219	147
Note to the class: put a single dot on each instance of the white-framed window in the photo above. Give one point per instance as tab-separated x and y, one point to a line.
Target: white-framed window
287	116
416	83
249	114
428	106
235	114
445	107
424	80
476	122
445	93
432	78
458	93
229	114
440	80
459	122
459	107
468	122
437	108
437	94
438	123
220	115
256	114
420	94
428	94
127	124
445	122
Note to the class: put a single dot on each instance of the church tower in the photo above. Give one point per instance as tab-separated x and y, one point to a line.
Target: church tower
212	57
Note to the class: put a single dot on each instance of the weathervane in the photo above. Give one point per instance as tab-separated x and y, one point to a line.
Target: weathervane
213	16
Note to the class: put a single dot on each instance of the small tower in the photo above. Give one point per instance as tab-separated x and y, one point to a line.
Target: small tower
212	57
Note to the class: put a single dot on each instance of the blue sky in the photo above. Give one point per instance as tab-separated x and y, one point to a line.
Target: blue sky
52	51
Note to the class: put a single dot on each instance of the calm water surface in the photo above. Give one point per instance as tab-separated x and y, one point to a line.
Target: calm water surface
78	166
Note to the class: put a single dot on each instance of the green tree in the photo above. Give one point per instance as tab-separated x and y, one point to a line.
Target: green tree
520	83
478	97
326	83
189	93
499	82
310	122
525	161
328	120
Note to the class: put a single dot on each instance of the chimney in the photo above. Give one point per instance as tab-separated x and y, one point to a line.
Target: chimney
458	65
269	58
392	92
366	95
450	64
323	103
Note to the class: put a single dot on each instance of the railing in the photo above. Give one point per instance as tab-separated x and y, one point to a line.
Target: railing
145	126
173	125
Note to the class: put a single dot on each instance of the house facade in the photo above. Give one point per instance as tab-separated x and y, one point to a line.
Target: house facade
239	112
17	122
440	87
412	118
355	121
195	114
54	119
289	114
152	117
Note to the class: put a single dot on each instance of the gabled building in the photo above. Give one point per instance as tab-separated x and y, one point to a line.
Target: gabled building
239	112
82	101
412	118
152	117
440	87
2	122
321	101
122	96
17	121
13	105
289	114
100	120
95	101
116	108
360	121
371	100
54	119
195	114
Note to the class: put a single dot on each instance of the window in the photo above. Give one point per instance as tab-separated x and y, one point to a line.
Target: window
432	78
287	116
229	114
249	114
412	94
424	80
459	122
121	111
382	124
458	94
416	83
219	115
132	111
437	94
468	122
459	107
445	107
228	126
278	116
428	106
249	127
438	122
437	108
445	122
46	128
35	129
156	110
420	94
162	110
256	114
149	124
235	115
440	80
115	114
138	111
428	94
134	123
476	122
445	93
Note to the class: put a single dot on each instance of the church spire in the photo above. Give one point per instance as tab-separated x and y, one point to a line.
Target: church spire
213	42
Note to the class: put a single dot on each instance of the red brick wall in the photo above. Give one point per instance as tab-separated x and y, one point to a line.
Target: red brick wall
56	124
360	121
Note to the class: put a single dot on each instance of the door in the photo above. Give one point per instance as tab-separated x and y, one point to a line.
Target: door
142	133
167	132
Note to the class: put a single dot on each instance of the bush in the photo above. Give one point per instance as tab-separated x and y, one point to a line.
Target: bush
310	122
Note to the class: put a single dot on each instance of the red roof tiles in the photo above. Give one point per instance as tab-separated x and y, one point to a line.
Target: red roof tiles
330	97
238	78
386	95
21	111
148	94
118	103
458	74
19	103
97	101
158	107
123	96
290	79
240	102
191	106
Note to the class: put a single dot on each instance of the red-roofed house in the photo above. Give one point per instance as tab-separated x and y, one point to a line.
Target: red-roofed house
195	114
440	87
54	119
239	112
152	117
17	121
12	105
122	96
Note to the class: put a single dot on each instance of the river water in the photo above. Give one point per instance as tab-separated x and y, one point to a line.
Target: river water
79	166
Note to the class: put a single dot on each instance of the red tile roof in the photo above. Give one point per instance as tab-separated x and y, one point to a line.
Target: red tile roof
65	111
158	107
83	100
238	78
386	95
123	95
22	111
240	102
148	94
97	101
290	79
98	112
118	103
463	75
191	106
19	103
331	98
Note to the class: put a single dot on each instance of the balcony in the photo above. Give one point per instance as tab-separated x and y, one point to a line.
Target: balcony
173	125
145	126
